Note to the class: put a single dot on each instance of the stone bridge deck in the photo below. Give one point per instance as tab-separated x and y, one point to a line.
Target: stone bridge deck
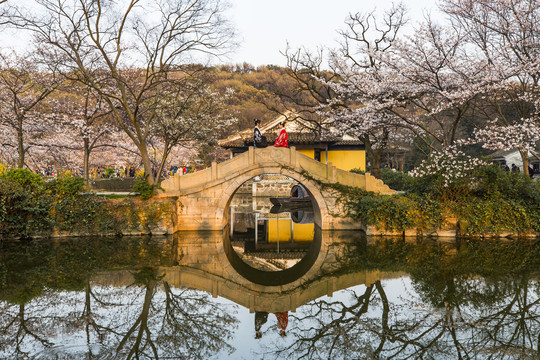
203	197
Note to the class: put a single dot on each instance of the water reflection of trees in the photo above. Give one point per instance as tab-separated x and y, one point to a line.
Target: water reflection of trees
47	294
478	300
471	300
180	323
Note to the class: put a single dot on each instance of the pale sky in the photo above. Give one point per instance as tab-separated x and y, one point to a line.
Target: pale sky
264	27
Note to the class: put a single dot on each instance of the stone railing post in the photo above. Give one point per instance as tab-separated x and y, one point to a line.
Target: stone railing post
292	159
251	155
178	181
369	181
214	170
330	172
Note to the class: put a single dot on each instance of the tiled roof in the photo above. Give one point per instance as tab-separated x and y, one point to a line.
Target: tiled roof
348	142
505	153
293	139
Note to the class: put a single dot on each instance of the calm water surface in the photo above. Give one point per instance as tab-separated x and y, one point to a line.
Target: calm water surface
196	296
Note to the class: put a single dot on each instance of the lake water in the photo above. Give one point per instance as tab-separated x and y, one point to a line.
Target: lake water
272	285
195	296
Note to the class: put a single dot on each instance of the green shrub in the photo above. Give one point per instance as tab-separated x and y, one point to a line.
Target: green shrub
78	214
30	207
495	215
493	180
142	187
388	212
392	213
68	186
490	202
24	177
25	210
397	180
429	212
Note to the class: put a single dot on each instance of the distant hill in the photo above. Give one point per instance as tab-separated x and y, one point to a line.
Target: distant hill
258	93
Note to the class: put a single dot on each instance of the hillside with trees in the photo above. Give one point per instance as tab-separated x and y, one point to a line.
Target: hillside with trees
126	90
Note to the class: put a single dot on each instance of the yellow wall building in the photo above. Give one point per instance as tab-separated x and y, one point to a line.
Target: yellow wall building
346	159
343	159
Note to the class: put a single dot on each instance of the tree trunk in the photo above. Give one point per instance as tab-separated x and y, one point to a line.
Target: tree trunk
146	163
525	158
87	312
20	145
162	163
375	161
374	157
141	324
86	161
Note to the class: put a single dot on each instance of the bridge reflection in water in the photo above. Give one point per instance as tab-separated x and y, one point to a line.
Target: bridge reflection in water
209	263
151	296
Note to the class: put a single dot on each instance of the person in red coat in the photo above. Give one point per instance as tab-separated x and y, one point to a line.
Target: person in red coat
282	138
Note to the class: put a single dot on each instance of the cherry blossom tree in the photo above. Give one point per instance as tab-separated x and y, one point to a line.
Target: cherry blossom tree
320	96
81	115
484	66
189	112
434	81
354	108
23	88
450	171
2	9
426	82
126	51
522	134
311	88
506	34
423	85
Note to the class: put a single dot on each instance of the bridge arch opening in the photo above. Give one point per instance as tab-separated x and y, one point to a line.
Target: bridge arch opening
273	238
320	210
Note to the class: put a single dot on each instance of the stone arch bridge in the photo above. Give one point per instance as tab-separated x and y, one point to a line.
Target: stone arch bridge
203	198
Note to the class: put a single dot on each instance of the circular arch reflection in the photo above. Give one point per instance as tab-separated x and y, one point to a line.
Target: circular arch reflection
274	278
272	237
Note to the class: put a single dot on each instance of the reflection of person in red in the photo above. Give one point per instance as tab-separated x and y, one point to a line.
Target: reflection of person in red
283	320
282	138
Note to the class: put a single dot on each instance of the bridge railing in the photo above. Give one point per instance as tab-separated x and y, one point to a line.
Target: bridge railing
271	156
